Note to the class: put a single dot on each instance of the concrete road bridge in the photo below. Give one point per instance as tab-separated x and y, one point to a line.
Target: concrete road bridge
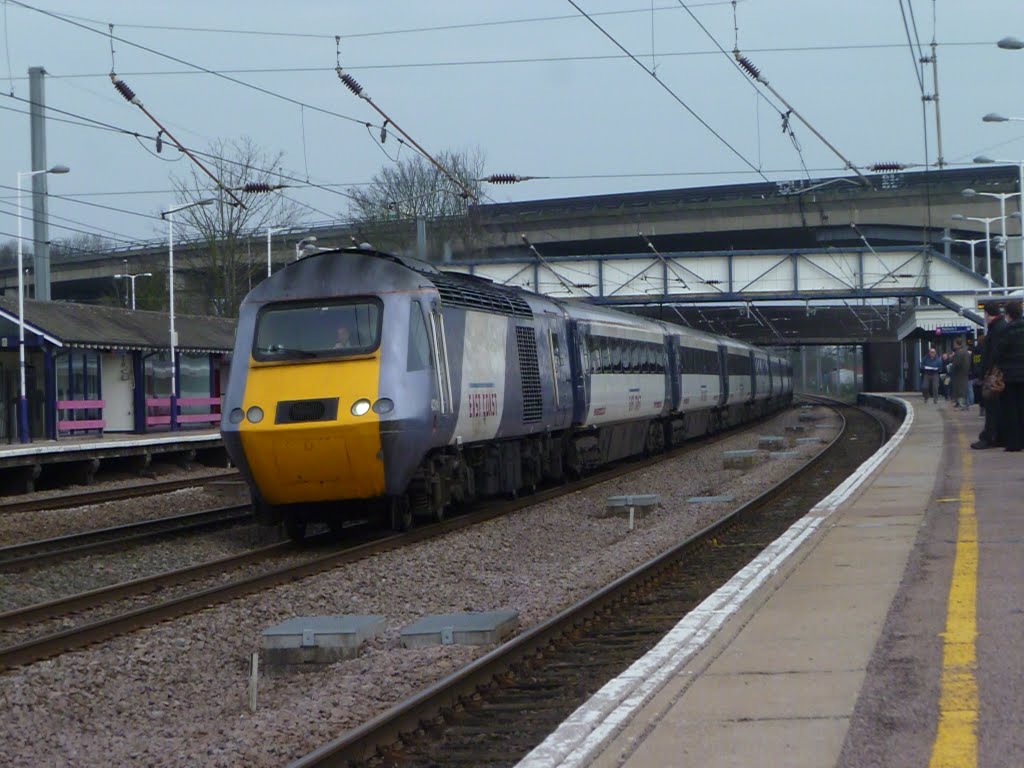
732	244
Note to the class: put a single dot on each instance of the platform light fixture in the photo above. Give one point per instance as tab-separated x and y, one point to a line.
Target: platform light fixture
987	221
132	278
23	435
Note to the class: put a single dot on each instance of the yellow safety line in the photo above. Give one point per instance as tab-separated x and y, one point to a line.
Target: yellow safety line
956	741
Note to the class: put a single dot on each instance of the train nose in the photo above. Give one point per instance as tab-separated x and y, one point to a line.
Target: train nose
308	448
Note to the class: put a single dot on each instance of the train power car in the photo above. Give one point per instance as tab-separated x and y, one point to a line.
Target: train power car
364	381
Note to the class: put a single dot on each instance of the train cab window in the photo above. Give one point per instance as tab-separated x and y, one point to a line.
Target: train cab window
303	330
419	343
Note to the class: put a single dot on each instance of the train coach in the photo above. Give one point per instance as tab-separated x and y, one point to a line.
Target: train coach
365	382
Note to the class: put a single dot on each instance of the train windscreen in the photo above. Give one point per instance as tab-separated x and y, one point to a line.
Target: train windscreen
317	330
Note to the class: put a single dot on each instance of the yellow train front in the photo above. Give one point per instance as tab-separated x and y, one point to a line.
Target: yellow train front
330	384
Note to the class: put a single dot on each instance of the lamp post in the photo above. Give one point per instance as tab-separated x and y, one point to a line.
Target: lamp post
985	159
972	243
987	221
270	231
1002	197
302	244
22	399
169	215
133	278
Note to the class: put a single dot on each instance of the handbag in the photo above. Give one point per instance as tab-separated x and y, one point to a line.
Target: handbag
993	383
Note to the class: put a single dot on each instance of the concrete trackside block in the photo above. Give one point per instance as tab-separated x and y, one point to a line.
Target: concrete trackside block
806	440
484	628
809	417
710	499
317	639
771	442
784	455
795	428
740	459
640	503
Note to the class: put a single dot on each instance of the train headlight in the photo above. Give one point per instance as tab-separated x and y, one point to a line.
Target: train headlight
360	407
254	414
236	416
384	405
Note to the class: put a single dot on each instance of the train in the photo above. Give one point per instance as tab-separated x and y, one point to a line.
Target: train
363	381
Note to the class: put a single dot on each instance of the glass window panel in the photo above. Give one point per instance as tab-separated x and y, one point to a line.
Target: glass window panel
419	343
327	329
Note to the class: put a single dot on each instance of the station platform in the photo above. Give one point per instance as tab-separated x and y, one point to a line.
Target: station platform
883	629
79	458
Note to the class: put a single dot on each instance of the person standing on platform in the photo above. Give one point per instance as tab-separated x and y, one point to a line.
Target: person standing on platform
1009	358
931	368
960	366
994	322
972	382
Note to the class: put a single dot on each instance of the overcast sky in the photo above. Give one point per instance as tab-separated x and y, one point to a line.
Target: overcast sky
533	85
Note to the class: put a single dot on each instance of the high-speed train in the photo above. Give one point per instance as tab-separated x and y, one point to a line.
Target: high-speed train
366	381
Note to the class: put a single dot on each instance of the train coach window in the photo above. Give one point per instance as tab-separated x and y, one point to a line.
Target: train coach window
419	344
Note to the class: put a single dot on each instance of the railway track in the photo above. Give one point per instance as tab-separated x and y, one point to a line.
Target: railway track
35	553
83	498
495	710
316	557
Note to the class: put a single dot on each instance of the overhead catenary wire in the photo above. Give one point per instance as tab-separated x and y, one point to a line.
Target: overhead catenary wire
493	62
671	92
129	95
786	127
183	62
201	153
380	33
755	73
353	85
29	217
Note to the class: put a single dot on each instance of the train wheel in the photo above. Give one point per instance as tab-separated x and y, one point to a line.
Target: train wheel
295	528
336	526
400	513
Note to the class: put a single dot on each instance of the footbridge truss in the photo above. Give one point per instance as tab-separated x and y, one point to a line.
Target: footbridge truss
940	290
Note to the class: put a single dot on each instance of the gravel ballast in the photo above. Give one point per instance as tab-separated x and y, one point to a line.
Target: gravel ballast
175	695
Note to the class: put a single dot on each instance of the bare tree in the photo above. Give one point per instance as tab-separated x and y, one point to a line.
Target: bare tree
79	248
385	212
222	259
9	253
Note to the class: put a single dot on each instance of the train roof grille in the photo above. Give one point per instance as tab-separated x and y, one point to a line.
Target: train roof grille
474	294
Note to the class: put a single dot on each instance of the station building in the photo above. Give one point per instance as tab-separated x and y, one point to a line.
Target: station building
93	370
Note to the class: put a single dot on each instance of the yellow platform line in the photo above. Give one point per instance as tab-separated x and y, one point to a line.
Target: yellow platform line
956	740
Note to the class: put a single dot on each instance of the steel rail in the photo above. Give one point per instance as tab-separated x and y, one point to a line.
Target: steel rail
103	629
111	494
365	741
24	555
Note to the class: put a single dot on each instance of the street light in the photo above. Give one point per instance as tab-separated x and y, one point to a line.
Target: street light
22	399
270	231
1002	197
301	245
169	215
987	221
972	243
1011	43
985	159
133	278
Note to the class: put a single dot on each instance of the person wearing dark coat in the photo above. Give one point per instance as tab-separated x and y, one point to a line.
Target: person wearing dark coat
990	436
960	366
1009	358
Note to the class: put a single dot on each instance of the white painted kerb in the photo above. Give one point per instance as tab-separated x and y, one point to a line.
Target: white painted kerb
576	741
